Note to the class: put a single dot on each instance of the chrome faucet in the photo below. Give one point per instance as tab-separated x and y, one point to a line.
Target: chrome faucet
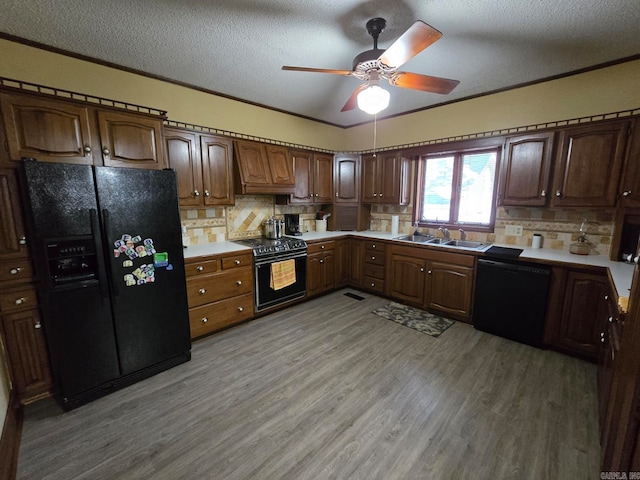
463	234
445	234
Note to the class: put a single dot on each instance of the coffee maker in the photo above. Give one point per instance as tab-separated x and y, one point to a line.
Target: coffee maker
292	224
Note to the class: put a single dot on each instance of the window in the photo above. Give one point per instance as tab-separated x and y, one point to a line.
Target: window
457	189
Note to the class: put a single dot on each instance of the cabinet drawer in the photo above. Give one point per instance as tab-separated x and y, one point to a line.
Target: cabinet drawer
18	299
374	257
217	315
237	261
372	245
16	271
211	288
320	247
374	284
373	270
201	268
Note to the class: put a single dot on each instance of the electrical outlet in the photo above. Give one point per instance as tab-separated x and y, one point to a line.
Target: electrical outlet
513	230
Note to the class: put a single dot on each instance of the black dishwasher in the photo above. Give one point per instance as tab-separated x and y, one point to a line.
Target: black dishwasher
511	300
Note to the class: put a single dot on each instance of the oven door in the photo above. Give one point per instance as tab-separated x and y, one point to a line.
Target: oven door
266	296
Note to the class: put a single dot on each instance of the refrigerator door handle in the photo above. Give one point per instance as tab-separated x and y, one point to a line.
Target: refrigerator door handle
107	224
97	240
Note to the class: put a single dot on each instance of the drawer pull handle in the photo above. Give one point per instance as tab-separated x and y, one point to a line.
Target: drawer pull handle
202	291
200	268
610	319
375	194
237	262
239	282
240	309
337	194
322	247
373	245
382	195
106	151
558	193
429	272
20	300
37	325
627	193
23	240
206	193
606	297
543	193
373	284
87	149
15	271
204	319
373	258
196	193
421	269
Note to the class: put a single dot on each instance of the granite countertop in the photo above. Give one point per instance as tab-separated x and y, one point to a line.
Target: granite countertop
621	273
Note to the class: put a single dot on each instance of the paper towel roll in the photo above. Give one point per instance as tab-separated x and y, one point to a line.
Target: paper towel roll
395	224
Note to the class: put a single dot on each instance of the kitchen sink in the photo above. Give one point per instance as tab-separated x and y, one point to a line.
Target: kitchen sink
416	238
465	244
437	241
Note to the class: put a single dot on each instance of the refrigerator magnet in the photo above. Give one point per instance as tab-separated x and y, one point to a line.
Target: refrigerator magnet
160	259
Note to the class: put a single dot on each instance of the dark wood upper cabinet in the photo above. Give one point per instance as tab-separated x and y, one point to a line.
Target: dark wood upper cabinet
524	174
630	188
203	164
588	165
217	177
46	129
347	178
313	174
303	172
129	140
183	156
279	165
13	240
323	178
385	179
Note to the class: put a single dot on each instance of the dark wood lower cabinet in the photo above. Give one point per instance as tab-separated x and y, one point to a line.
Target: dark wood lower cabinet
321	269
407	279
27	354
577	310
449	290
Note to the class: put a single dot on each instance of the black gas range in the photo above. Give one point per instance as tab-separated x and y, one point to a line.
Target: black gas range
266	253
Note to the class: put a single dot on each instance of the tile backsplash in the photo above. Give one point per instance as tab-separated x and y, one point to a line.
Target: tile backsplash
559	227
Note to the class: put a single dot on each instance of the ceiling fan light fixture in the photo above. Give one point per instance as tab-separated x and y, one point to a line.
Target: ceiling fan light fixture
373	99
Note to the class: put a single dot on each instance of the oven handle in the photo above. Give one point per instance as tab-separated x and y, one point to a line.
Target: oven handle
280	258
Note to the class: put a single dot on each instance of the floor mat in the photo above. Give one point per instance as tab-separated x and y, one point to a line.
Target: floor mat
419	320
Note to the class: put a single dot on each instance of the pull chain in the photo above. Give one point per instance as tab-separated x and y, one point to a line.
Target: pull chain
375	132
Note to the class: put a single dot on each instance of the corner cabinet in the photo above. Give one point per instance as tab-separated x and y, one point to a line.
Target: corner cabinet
203	164
435	280
525	170
386	179
65	131
588	165
347	178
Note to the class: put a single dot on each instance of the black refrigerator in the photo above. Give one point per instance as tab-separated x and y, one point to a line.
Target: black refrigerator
107	249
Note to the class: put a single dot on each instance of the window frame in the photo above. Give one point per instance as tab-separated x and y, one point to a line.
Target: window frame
455	197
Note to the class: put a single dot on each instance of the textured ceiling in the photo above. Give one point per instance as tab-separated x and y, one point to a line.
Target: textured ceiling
236	47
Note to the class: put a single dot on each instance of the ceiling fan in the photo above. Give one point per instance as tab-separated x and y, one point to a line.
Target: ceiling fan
372	65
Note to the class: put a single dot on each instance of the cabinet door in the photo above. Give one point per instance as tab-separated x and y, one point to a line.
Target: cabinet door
347	179
328	266
46	129
183	156
130	140
369	180
449	289
322	178
253	163
356	259
526	164
13	241
588	165
27	354
217	179
630	189
342	263
302	169
314	274
280	165
583	313
389	179
407	279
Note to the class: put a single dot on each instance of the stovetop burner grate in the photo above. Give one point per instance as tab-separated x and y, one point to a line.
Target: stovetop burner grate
264	246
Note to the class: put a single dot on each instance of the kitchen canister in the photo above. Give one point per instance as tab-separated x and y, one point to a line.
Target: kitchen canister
395	224
321	225
537	241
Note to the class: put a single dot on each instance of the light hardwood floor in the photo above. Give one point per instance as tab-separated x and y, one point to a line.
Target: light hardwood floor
326	389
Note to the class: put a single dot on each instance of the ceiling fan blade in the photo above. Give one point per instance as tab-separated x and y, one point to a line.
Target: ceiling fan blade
317	70
353	99
425	83
417	37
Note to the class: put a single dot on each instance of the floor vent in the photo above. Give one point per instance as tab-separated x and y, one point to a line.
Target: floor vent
353	295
